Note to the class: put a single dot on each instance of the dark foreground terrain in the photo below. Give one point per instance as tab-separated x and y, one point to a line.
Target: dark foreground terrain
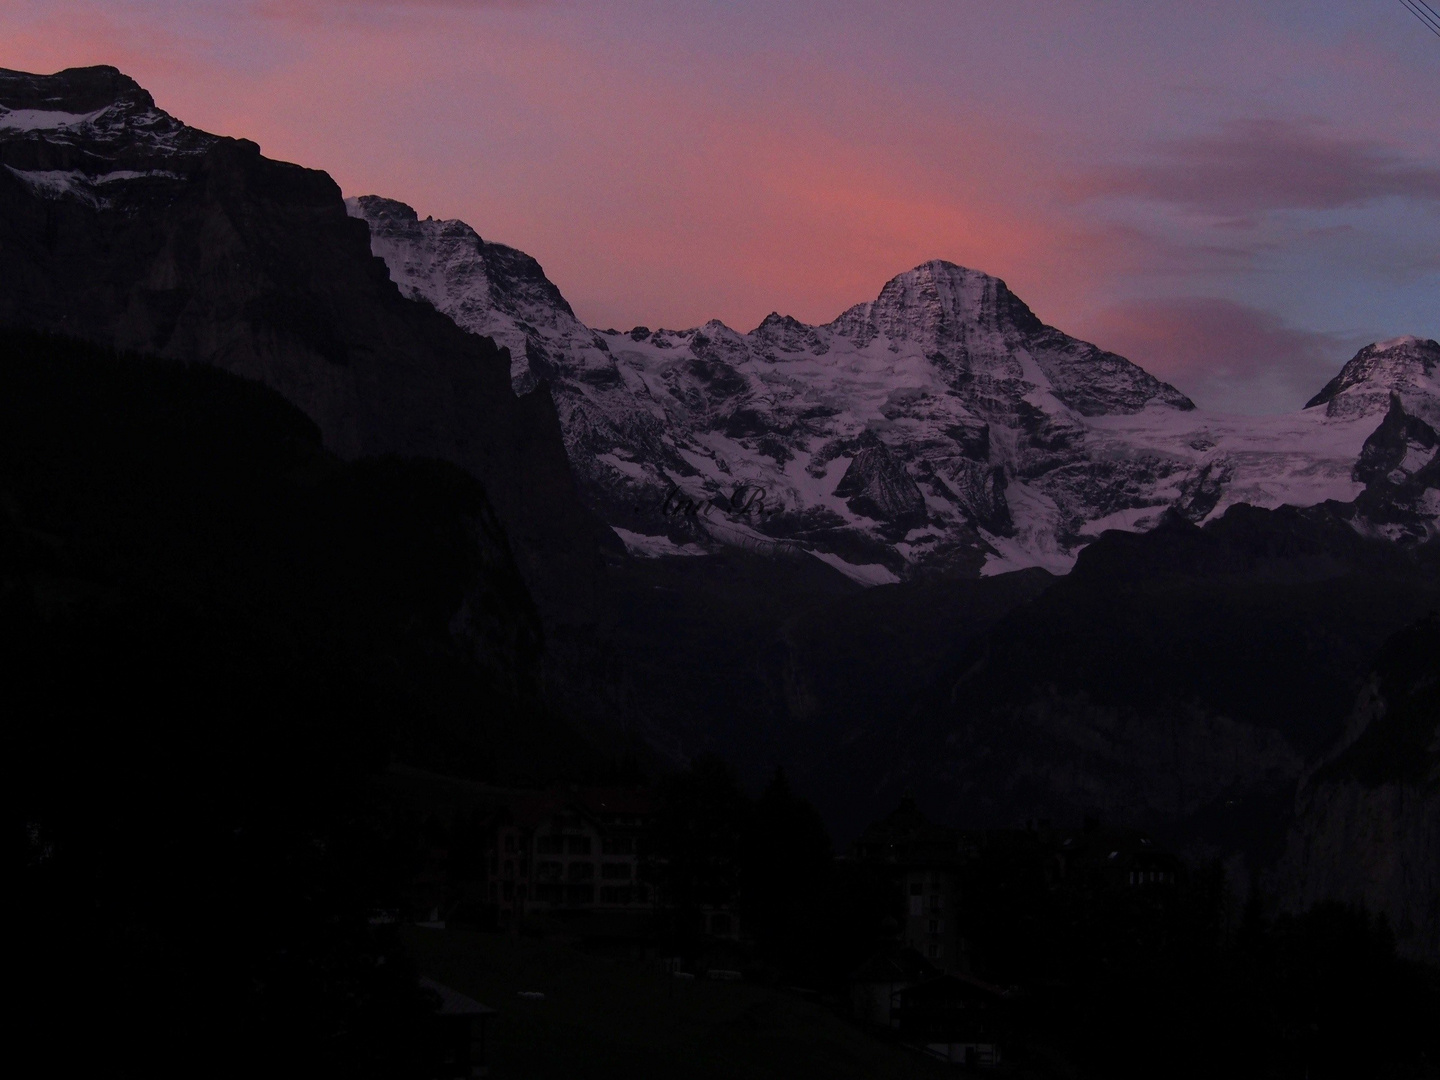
219	638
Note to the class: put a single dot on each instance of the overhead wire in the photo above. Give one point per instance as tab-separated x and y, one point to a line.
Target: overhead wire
1425	13
1434	15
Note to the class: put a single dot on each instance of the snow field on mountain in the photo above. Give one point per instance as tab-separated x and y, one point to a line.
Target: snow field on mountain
940	424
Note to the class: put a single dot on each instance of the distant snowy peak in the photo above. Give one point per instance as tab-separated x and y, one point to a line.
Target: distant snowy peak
973	321
91	121
487	288
940	426
1404	367
92	135
938	304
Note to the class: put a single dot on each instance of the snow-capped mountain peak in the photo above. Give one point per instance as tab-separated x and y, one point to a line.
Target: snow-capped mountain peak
87	133
1407	367
487	288
941	425
936	303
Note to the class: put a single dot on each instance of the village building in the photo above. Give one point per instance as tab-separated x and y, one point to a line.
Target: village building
568	850
459	1024
956	1018
933	865
876	984
927	861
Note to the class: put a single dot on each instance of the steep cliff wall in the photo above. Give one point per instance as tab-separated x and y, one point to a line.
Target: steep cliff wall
1367	821
123	226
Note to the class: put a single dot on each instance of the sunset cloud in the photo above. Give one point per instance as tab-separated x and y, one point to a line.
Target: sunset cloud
1229	356
1254	165
670	162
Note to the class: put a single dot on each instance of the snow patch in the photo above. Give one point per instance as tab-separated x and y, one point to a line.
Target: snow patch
867	574
1396	343
56	183
43	119
654	547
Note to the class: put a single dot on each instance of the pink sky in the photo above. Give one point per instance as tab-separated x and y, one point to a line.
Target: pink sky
1236	195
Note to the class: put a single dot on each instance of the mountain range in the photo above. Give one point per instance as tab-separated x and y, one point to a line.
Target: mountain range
941	426
1084	594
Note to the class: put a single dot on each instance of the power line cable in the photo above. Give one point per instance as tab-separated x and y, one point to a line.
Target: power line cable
1425	13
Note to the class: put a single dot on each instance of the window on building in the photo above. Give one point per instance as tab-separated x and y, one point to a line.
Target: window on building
933	951
579	894
549	871
577	845
549	845
616	894
937	926
917	905
616	871
581	871
916	888
510	844
550	894
509	868
720	923
618	845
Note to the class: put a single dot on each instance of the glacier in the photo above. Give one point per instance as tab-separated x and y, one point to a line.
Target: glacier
941	426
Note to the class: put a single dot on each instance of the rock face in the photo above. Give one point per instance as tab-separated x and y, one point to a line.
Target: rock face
122	226
1373	847
1400	468
1405	367
1367	819
1178	680
941	426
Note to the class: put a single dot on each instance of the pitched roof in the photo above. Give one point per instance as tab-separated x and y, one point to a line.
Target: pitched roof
454	1003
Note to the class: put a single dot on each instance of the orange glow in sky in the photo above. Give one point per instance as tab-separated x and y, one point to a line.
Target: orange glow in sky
1236	195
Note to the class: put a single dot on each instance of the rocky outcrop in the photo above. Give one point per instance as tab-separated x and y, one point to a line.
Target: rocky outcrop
1400	468
1407	367
1374	847
877	486
123	226
1367	819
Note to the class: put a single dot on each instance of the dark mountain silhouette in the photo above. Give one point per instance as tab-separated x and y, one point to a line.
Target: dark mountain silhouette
215	634
122	226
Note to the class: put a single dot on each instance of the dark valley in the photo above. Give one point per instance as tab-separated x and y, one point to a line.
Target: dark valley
375	712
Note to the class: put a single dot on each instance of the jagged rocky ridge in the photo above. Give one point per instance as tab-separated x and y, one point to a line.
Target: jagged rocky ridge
940	426
122	226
